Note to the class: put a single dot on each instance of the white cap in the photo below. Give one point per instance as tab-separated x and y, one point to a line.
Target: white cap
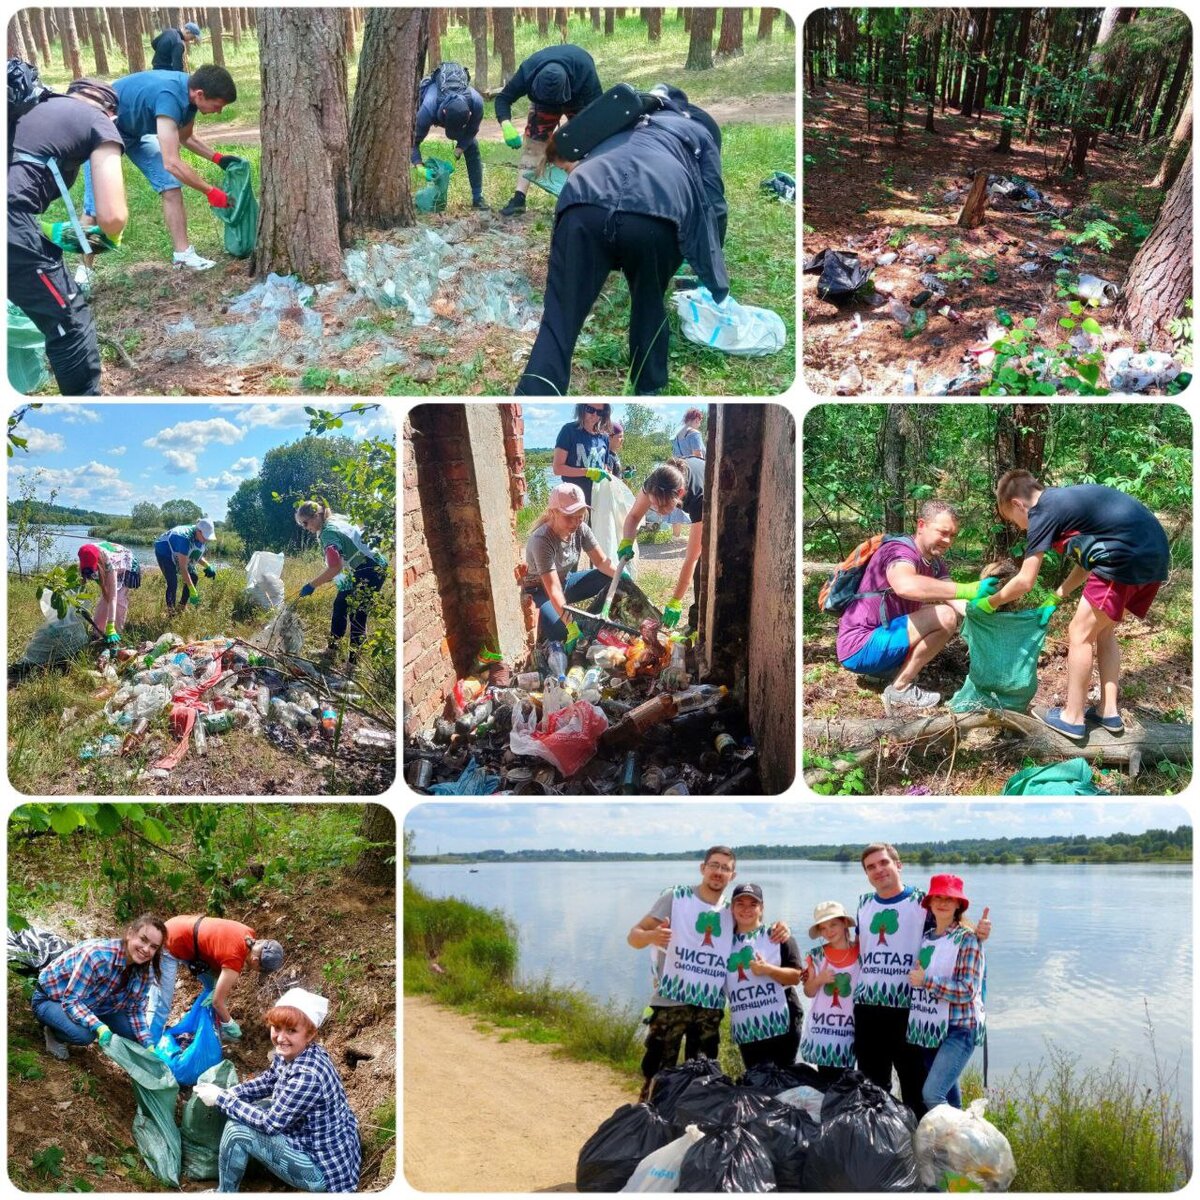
205	526
314	1007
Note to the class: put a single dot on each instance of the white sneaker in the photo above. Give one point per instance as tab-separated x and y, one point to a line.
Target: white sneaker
193	261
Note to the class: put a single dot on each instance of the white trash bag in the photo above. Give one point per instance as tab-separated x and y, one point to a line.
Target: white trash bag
659	1172
807	1099
729	326
956	1149
264	578
1129	372
611	502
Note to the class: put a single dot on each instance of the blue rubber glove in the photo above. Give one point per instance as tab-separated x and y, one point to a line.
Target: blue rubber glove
671	613
572	637
1046	611
103	1035
307	590
625	549
981	587
111	636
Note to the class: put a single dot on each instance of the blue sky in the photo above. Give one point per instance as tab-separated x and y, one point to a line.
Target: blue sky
664	827
107	457
543	421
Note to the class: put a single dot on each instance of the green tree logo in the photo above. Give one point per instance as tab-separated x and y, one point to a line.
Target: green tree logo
884	922
741	960
925	957
709	923
839	987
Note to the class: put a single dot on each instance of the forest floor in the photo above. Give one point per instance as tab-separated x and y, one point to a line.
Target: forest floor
864	194
1156	685
85	1106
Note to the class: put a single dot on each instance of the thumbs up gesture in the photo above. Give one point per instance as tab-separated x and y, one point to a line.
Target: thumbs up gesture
984	928
662	935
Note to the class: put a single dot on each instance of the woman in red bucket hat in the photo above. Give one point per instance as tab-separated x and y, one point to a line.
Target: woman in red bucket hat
946	1015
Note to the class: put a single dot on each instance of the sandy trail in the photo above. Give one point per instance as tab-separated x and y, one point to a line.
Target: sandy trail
485	1115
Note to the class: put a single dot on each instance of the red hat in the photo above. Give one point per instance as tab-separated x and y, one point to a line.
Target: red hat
89	557
949	886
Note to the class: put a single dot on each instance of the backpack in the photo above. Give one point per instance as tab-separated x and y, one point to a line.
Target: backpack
841	588
451	77
25	92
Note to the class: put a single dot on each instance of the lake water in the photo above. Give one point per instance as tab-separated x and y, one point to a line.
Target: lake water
65	546
1074	952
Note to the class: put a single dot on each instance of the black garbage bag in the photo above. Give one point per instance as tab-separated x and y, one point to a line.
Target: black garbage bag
719	1101
804	1075
865	1142
727	1160
768	1077
609	1156
785	1136
667	1086
841	274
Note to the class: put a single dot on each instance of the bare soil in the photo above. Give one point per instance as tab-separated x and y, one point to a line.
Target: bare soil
487	1114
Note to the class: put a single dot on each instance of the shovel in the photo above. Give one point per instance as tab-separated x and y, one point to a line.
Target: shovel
591	623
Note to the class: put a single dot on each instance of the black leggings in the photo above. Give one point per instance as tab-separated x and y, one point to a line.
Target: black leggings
352	606
170	570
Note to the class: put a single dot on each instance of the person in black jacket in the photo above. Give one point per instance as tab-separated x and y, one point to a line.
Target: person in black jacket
170	47
72	129
643	200
559	81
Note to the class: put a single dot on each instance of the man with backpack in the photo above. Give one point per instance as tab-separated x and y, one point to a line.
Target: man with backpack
559	81
49	137
902	606
448	100
171	45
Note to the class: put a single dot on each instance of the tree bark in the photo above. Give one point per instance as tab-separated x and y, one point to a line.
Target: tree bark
979	18
981	82
304	218
1168	109
561	21
975	209
26	28
729	44
766	20
543	22
931	80
654	24
891	467
1083	132
39	33
504	38
97	34
1035	96
135	48
214	32
235	27
477	23
378	826
594	14
1152	105
1017	75
16	40
1160	276
1172	160
700	55
71	56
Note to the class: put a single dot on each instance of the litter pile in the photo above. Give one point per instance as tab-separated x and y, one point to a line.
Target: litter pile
625	718
777	1129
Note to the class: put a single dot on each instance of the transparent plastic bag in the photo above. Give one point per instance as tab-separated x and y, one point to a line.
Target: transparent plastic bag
963	1151
264	579
569	740
730	327
611	502
659	1172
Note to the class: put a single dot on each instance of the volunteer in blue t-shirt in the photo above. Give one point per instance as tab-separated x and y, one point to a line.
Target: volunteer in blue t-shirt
176	551
581	448
155	118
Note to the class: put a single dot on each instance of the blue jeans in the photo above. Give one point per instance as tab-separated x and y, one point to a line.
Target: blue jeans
579	585
145	154
945	1065
158	1007
51	1012
240	1143
165	557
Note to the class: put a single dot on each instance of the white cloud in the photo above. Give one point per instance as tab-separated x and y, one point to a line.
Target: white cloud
117	451
276	416
180	444
179	462
75	414
380	424
97	484
244	468
38	441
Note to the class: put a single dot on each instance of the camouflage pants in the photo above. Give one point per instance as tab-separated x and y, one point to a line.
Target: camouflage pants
698	1029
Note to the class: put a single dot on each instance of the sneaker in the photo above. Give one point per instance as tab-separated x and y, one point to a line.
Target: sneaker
514	207
480	204
1113	724
911	697
54	1046
193	261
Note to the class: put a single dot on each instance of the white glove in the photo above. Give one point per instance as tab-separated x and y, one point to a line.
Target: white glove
208	1093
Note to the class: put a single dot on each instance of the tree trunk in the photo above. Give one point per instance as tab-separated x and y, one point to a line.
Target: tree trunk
561	21
1160	276
729	45
654	24
931	82
304	219
1094	97
25	25
385	100
989	29
594	14
1005	64
135	49
609	25
543	22
379	827
477	23
433	52
891	467
235	27
71	56
40	35
975	209
900	78
98	50
1019	443
1036	80
1148	116
1168	109
1169	167
214	32
700	55
504	39
979	18
16	40
1017	75
766	20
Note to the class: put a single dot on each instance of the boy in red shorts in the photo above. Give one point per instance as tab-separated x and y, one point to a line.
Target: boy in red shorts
1119	553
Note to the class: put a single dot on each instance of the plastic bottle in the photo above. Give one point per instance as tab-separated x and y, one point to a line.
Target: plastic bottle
703	695
556	658
554	697
328	721
529	681
218	722
199	738
909	386
726	745
575	680
133	739
263	697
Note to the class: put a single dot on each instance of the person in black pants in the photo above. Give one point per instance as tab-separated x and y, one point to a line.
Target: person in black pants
642	201
68	131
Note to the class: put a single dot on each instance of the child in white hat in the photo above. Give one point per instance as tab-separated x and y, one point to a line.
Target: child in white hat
831	972
309	1135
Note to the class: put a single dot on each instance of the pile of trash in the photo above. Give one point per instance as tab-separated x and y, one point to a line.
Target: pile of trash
1003	192
625	717
777	1129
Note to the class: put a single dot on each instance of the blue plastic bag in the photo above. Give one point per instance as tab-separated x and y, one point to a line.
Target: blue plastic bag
189	1063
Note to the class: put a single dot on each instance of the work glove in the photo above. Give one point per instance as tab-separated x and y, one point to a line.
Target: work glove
225	161
671	613
103	1034
193	597
983	605
231	1029
210	572
207	1093
595	474
307	590
511	136
111	636
207	1001
218	199
625	549
573	635
981	587
1046	611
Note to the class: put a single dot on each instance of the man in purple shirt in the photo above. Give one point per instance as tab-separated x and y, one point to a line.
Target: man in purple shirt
908	608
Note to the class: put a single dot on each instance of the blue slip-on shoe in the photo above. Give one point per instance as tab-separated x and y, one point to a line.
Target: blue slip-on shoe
1053	718
1112	724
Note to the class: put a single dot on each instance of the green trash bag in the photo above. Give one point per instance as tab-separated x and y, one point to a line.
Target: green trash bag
1070	778
154	1128
432	197
552	180
202	1125
27	369
1004	656
240	221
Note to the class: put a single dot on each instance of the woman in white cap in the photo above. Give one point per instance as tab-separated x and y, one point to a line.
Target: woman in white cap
945	1016
308	1137
176	551
831	972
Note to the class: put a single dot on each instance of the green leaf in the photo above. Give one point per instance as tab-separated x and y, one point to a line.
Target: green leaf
1066	323
49	1161
1090	372
108	821
155	831
65	819
1076	307
1091	325
1030	322
16	922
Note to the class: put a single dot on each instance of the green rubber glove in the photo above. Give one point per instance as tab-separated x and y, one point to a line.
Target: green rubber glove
511	136
625	549
983	604
194	598
210	572
111	636
670	617
207	1001
573	635
981	587
1046	611
231	1029
595	474
103	1034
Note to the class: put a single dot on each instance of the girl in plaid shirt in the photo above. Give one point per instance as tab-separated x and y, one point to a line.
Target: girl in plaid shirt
308	1136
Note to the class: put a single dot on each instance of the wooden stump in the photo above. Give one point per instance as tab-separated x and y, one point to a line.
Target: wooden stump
976	206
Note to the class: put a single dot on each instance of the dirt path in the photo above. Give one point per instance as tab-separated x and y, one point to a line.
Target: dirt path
745	110
485	1115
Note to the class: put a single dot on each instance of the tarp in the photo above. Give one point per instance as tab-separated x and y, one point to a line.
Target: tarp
1070	778
202	1125
154	1128
1004	656
240	221
27	370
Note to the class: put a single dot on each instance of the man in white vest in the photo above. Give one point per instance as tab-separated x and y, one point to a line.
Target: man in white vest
694	926
891	924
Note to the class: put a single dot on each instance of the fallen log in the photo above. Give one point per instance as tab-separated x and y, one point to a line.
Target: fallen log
859	741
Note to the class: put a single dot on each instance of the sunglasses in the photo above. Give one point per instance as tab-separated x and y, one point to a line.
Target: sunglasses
596	412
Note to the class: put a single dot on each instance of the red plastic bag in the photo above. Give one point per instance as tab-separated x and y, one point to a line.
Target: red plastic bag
569	740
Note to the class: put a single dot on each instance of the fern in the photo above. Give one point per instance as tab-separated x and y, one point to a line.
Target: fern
1104	233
